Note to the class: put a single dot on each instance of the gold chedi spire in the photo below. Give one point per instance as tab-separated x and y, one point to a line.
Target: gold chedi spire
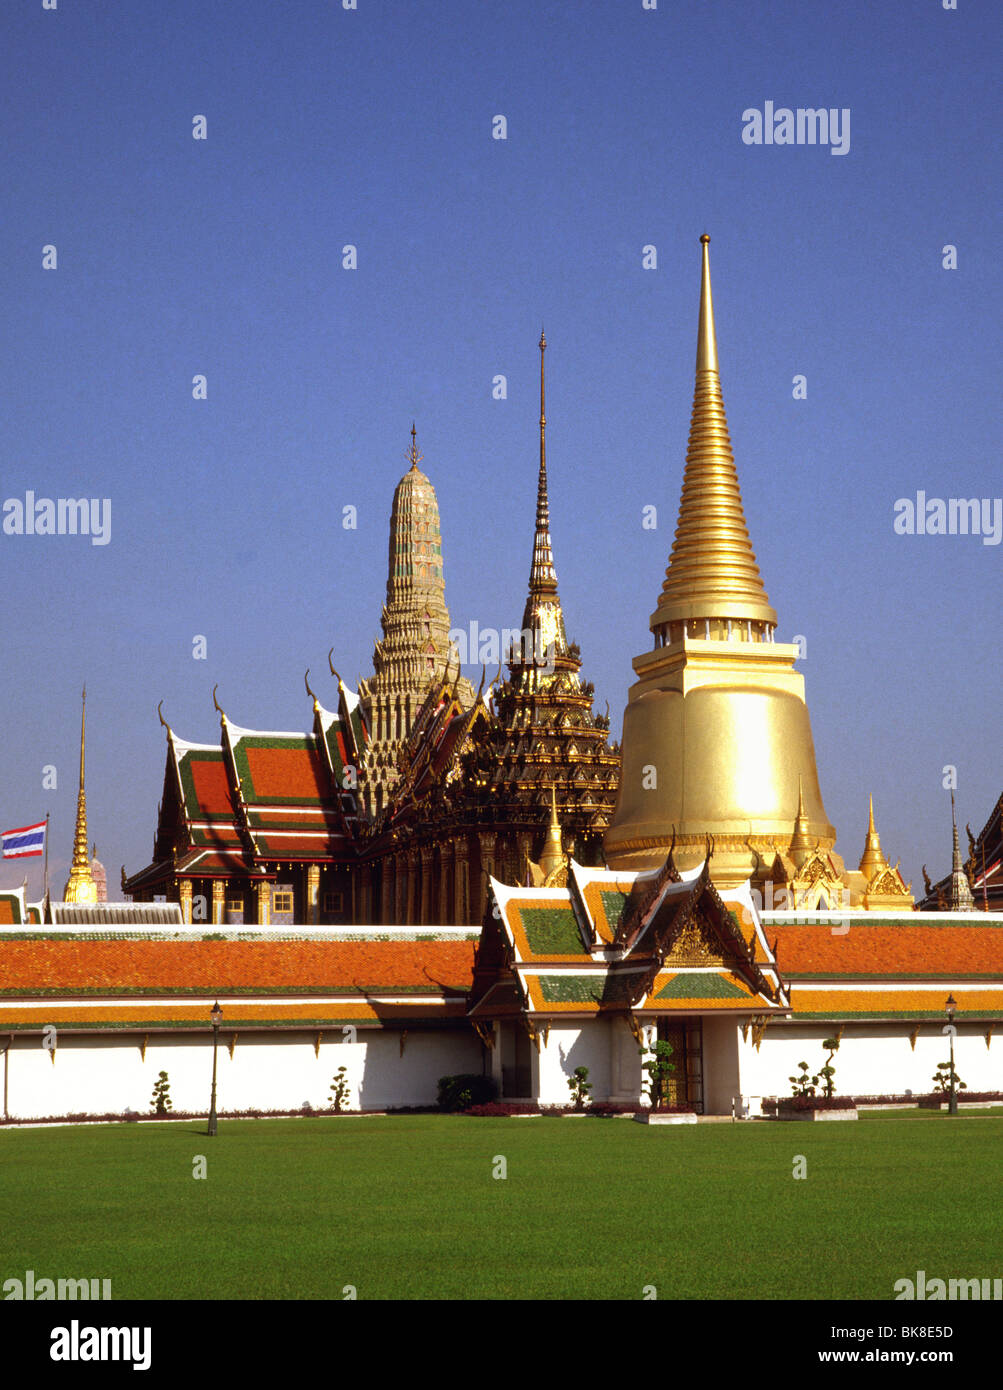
716	735
553	850
800	846
80	886
872	861
712	573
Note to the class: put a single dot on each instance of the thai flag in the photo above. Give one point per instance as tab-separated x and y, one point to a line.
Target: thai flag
19	844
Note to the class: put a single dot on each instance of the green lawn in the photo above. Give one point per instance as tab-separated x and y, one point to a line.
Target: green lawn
406	1207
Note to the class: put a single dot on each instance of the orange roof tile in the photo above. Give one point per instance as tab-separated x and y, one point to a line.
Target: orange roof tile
59	965
889	950
893	1003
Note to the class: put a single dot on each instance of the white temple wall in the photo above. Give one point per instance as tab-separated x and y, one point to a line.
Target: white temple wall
105	1073
721	1071
101	1074
626	1076
873	1058
574	1045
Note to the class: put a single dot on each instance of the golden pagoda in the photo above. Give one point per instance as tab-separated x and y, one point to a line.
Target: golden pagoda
716	738
80	886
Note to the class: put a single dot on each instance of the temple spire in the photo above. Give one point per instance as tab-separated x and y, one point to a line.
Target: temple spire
800	846
712	584
553	850
961	899
542	575
543	621
80	886
873	860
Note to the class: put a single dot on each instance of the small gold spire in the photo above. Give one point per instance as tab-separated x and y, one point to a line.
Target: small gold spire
872	861
80	886
553	851
800	846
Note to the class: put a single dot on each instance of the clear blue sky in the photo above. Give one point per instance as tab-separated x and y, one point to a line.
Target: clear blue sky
374	127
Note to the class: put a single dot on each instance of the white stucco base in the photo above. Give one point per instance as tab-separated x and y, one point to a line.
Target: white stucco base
873	1058
107	1073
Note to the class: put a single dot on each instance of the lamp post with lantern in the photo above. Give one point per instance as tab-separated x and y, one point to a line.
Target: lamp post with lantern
217	1019
949	1008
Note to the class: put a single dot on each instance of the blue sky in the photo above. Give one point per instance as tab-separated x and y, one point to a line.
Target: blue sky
374	127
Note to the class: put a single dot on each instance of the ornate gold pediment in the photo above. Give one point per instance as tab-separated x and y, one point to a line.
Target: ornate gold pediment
889	882
695	943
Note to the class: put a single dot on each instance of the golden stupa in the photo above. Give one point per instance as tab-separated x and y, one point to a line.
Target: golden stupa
716	735
80	886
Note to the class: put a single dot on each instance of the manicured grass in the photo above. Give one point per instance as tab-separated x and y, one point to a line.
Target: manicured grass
406	1207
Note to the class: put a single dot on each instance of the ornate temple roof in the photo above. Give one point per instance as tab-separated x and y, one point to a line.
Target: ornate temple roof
635	944
977	884
258	796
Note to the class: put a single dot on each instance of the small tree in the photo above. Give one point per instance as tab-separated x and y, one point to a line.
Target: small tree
580	1087
803	1085
829	1071
161	1099
942	1079
660	1071
339	1091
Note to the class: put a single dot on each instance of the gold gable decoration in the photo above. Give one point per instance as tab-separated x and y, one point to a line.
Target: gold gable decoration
695	944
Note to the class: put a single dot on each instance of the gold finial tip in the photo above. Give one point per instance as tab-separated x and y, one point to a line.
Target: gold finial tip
705	240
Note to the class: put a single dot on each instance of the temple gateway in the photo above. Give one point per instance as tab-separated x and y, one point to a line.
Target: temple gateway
431	879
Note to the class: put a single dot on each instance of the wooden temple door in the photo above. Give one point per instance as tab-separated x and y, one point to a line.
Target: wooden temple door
686	1038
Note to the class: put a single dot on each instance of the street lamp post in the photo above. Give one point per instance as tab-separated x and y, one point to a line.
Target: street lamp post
950	1006
217	1019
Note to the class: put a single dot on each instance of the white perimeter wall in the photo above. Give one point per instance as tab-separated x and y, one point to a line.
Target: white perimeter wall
272	1071
873	1058
279	1071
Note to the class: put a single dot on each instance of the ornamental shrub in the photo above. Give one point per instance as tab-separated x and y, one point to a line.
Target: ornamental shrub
804	1085
580	1087
942	1079
660	1071
339	1091
161	1098
463	1091
829	1071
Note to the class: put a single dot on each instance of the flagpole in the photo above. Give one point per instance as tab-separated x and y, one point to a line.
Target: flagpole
45	895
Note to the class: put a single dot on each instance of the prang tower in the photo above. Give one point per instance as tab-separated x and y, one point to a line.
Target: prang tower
716	736
414	652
